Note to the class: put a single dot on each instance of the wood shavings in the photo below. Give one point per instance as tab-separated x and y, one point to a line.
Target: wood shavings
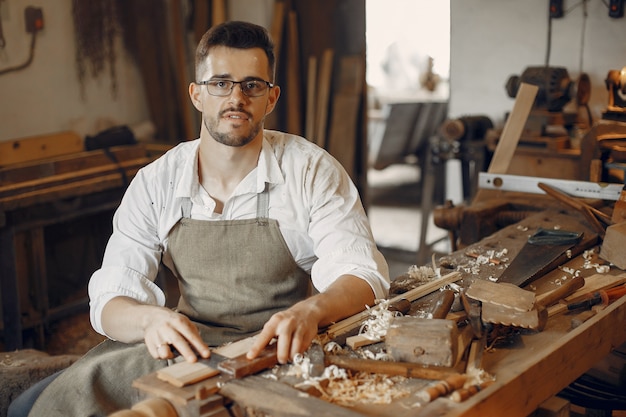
364	388
338	386
421	273
376	325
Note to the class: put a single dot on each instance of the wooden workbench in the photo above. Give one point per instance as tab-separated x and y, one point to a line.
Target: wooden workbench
35	195
528	371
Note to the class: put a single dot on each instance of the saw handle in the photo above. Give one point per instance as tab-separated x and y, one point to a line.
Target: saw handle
566	289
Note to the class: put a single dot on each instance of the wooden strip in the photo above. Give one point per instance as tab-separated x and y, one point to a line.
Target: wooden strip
26	171
323	95
186	373
311	86
274	398
294	98
39	147
218	12
181	72
241	366
354	321
513	129
409	370
276	31
28	186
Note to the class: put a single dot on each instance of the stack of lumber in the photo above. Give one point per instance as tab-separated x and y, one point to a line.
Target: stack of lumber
30	183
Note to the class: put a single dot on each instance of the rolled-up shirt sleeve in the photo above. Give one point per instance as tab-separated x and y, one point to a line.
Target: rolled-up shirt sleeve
340	230
133	253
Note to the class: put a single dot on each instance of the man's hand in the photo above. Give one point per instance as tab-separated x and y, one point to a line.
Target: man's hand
162	329
296	327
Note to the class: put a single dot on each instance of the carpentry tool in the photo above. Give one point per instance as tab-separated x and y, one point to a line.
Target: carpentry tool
425	341
539	255
186	373
508	305
339	330
441	388
604	297
393	368
463	394
593	215
525	184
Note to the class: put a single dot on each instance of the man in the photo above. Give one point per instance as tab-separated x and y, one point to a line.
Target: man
245	218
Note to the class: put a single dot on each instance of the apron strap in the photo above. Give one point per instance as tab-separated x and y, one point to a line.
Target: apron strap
186	208
263	206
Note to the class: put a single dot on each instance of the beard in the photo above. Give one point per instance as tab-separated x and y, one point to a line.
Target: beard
232	138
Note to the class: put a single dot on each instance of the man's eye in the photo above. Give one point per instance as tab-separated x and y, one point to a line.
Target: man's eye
220	84
252	85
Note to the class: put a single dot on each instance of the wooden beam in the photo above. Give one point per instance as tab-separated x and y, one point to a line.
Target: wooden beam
39	147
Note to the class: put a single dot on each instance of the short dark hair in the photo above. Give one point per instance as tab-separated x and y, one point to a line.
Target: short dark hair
236	34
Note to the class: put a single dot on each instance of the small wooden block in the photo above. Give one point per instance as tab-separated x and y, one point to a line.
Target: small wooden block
40	147
186	373
613	245
360	340
241	366
430	342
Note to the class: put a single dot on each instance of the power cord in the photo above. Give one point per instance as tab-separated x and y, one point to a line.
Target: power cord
28	62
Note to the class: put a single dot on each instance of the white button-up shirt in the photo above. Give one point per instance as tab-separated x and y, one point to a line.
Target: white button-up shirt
317	207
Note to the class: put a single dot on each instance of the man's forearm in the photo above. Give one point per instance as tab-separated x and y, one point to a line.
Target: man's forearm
124	319
345	297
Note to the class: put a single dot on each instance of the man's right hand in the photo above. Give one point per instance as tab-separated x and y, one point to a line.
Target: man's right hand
163	330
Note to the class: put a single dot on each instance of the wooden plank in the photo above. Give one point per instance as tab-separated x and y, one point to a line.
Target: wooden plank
323	97
277	399
39	147
294	88
181	70
311	88
201	20
218	12
28	171
276	30
513	129
20	188
343	140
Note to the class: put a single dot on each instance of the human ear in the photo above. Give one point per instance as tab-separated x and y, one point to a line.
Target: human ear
272	99
196	96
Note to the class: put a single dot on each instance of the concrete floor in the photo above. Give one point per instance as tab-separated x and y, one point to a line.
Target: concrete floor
394	199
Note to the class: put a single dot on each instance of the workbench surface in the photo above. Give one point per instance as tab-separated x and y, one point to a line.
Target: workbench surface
528	371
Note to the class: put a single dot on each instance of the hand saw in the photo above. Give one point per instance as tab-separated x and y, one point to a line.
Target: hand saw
539	255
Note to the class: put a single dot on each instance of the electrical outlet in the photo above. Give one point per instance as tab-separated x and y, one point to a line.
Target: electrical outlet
34	19
556	9
616	8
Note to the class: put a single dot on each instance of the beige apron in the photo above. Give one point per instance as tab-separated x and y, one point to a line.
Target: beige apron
235	272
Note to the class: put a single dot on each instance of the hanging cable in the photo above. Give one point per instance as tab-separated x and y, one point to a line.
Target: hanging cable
28	62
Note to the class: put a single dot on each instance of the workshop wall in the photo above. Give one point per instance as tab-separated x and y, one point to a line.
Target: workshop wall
490	40
45	97
494	39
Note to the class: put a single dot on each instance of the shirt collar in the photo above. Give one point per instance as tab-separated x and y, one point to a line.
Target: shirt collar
268	170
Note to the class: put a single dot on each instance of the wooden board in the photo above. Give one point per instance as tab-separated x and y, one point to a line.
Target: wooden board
323	97
343	140
39	147
294	88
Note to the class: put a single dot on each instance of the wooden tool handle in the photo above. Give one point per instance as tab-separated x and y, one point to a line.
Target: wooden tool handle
444	303
563	291
409	370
